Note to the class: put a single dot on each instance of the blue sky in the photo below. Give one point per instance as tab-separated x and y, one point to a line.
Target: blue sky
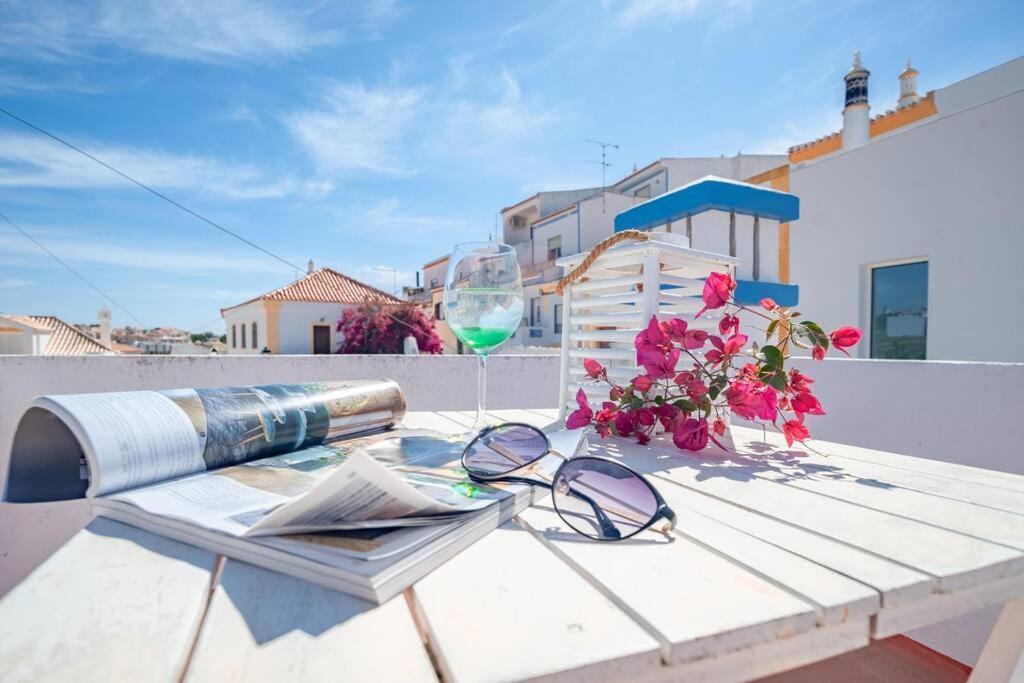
379	133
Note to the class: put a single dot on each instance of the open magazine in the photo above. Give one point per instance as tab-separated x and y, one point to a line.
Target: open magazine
313	479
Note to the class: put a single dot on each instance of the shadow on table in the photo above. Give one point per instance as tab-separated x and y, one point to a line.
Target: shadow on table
759	460
273	605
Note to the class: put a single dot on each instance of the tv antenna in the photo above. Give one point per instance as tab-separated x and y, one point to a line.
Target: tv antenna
604	163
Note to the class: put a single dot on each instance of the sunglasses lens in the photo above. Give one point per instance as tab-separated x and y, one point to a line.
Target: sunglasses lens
603	500
504	449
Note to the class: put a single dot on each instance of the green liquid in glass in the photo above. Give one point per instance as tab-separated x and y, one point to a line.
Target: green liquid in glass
481	337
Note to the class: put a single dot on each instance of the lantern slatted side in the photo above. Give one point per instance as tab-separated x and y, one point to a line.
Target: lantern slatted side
604	310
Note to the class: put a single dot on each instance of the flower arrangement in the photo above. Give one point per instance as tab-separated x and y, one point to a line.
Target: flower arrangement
373	327
720	375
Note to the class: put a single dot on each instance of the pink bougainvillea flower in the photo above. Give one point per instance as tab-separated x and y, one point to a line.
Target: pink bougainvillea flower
658	364
717	292
603	419
642	383
615	394
583	415
667	414
623	423
743	399
806	402
642	438
845	337
695	339
675	329
718	427
645	417
691	434
768	410
768	304
594	369
734	344
695	389
799	382
728	322
818	352
794	430
651	338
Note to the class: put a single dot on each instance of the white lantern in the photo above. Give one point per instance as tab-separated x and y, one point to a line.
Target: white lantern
609	302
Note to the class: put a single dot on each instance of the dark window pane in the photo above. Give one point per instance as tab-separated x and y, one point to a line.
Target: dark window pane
899	311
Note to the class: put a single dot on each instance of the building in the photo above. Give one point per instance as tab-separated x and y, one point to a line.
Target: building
47	335
549	225
301	317
911	220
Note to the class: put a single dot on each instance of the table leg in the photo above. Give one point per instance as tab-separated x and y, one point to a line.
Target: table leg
1001	659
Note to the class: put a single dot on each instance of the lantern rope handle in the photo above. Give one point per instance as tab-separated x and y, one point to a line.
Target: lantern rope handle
601	247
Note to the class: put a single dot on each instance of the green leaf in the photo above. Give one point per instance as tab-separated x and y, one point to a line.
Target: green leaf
685	405
659	399
777	380
817	334
636	403
771	329
772	356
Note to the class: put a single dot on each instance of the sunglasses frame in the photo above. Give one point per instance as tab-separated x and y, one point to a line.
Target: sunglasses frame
662	512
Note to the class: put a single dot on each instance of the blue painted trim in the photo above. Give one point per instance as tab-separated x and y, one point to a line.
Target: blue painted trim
752	291
707	194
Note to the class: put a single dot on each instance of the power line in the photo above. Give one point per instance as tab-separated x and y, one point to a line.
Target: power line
161	196
147	188
72	270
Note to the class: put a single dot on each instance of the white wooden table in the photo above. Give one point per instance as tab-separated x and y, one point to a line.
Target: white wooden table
780	558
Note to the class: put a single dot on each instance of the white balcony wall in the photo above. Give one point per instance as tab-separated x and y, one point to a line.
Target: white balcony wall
946	190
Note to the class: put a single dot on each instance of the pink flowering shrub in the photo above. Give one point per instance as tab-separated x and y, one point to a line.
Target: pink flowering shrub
378	328
691	379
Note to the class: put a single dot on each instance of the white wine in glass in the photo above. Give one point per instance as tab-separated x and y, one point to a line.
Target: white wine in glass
483	303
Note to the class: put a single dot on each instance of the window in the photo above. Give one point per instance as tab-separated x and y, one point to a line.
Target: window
234	337
554	247
243	335
899	311
535	311
643	192
438	311
434	282
558	318
254	345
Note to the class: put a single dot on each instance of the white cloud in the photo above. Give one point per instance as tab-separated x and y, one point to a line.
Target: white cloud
198	30
359	129
36	162
389	214
396	131
14	282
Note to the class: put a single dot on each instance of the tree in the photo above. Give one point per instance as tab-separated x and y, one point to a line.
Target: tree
373	327
202	337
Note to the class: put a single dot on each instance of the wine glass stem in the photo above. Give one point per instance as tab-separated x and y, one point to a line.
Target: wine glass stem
481	392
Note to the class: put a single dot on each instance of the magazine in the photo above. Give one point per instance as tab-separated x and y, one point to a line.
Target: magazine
315	480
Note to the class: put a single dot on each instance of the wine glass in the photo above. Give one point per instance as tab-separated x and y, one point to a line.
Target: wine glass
483	302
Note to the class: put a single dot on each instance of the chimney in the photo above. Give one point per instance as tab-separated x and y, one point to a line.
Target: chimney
310	267
104	316
857	113
908	86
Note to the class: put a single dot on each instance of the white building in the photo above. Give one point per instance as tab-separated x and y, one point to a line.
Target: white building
298	318
912	222
550	225
46	335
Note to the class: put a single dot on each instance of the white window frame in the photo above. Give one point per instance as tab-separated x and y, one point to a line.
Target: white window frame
864	347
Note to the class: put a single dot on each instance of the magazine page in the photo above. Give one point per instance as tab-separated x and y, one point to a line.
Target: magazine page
333	486
67	446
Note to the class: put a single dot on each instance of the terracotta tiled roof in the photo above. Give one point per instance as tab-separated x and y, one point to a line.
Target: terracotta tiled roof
65	340
325	286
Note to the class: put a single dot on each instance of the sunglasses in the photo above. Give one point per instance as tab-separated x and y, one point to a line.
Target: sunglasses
596	497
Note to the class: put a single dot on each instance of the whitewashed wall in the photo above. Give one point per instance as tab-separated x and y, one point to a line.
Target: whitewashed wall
297	318
245	316
948	191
